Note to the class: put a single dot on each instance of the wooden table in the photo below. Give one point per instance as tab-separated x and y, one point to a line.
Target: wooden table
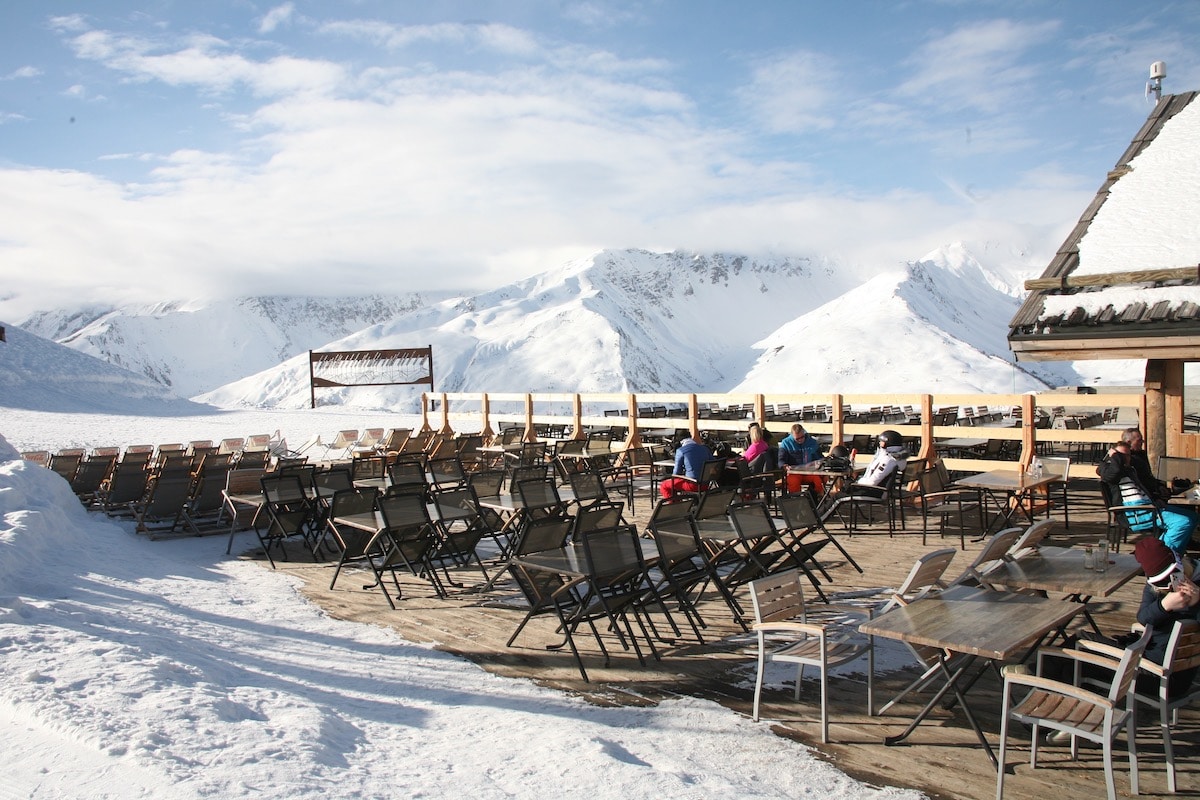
1015	486
978	623
1060	569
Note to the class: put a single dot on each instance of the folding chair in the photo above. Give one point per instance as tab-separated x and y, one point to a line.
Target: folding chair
358	544
289	514
165	500
460	528
124	488
408	539
801	521
682	565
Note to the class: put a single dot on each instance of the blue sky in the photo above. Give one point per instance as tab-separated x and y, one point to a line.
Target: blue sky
178	148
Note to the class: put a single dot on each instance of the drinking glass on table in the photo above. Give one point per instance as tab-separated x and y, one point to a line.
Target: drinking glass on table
1102	556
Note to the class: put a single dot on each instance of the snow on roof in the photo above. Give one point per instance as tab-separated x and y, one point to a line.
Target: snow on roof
1151	219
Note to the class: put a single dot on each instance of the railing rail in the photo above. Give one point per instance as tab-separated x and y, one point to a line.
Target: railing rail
1081	423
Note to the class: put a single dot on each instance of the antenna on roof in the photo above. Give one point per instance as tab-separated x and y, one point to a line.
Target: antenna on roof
1158	71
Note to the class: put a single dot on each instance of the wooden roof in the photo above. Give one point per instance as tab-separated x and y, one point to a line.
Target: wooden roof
1157	329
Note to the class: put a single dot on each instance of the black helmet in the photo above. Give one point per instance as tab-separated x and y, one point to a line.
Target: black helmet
890	438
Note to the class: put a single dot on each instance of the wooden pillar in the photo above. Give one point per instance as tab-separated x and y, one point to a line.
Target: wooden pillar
1156	410
425	413
835	417
530	433
578	433
1173	399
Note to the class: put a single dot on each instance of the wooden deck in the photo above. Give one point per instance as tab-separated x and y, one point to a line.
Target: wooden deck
942	758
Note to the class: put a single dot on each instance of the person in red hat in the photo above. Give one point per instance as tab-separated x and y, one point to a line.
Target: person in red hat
1169	595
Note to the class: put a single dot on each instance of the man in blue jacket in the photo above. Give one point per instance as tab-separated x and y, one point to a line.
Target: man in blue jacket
690	458
798	449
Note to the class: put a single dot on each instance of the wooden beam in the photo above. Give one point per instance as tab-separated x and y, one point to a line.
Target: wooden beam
1107	279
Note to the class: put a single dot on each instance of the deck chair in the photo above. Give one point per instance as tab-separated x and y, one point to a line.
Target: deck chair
394	439
785	633
923	579
65	464
89	476
341	446
1169	694
1028	542
203	510
39	457
123	489
259	441
165	501
1079	711
231	445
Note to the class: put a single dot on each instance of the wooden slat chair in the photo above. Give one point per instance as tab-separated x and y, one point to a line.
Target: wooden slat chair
1182	656
1068	707
394	441
203	510
786	633
923	579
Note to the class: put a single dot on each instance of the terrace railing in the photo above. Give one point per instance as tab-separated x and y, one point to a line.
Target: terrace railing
1025	425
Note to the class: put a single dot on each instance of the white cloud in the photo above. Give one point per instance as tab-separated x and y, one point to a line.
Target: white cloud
980	66
22	72
791	93
279	15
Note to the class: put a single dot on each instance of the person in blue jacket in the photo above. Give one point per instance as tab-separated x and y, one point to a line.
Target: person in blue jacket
799	449
690	459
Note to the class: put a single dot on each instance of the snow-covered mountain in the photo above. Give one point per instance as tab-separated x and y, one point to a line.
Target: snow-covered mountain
673	322
38	374
192	347
620	320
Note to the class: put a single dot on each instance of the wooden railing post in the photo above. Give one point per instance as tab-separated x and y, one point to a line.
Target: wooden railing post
928	444
485	409
835	418
530	433
578	433
1028	431
445	427
425	413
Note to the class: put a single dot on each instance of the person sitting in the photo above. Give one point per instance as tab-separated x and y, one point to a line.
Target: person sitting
690	458
800	449
757	452
1120	473
890	458
1170	595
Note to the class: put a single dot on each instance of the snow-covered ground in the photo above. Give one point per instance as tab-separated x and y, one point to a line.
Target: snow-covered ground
170	670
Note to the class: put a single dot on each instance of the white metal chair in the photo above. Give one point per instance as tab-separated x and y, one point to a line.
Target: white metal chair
1079	711
786	634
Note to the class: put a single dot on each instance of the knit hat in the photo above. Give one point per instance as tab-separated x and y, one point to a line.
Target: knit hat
1157	561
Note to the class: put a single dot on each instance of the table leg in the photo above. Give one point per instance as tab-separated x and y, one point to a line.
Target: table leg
951	683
